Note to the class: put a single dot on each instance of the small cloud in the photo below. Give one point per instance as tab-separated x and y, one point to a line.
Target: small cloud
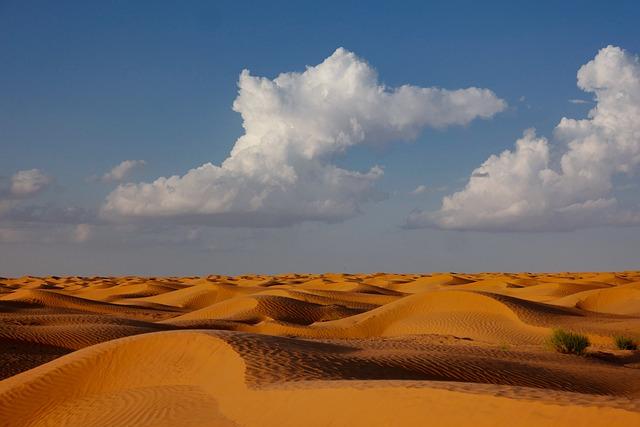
523	100
26	183
420	189
122	170
81	233
579	101
423	189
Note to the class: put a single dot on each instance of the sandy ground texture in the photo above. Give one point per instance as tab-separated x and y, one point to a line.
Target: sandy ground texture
441	349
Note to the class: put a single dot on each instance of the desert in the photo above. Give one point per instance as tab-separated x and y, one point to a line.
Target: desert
310	214
318	349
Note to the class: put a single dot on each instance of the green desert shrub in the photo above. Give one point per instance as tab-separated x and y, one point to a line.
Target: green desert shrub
625	343
568	342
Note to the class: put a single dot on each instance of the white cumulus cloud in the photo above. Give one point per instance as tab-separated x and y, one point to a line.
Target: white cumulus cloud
122	170
281	170
529	189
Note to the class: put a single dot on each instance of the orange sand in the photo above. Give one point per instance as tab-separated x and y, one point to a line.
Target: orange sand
333	349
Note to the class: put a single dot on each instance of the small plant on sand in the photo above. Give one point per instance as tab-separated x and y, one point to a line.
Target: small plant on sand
568	342
625	343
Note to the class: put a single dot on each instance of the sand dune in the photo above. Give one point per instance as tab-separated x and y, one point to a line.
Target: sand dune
332	349
68	303
260	308
622	299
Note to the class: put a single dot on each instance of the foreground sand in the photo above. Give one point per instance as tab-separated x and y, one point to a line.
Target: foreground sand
332	349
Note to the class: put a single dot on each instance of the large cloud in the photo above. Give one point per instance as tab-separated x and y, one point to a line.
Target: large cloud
528	189
280	171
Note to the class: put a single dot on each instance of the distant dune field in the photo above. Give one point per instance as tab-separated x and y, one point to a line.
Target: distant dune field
443	349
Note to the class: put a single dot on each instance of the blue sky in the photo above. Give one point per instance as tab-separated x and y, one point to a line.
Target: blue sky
87	85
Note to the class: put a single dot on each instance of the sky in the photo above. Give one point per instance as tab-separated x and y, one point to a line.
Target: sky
198	137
